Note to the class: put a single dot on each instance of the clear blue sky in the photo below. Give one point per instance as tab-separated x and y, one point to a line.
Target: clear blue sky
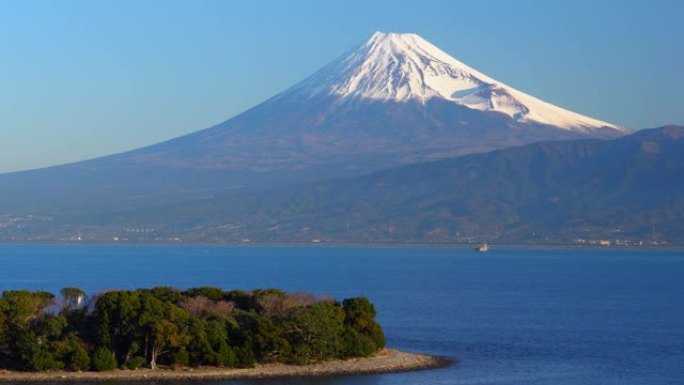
80	79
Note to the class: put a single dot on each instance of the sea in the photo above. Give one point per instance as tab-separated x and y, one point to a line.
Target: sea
510	316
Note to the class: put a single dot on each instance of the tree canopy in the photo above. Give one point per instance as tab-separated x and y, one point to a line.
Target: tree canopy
164	326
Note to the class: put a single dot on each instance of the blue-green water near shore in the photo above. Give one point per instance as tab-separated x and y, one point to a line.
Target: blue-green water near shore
509	316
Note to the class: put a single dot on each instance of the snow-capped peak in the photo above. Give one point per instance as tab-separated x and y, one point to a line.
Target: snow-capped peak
403	66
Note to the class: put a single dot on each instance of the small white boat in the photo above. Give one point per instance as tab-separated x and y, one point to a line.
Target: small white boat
482	247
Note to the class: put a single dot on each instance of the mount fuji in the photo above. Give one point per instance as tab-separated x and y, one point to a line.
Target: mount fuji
392	67
394	100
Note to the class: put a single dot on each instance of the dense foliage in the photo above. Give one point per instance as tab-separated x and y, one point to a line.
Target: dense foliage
166	326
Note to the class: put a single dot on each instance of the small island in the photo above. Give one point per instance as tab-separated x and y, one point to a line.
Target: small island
198	333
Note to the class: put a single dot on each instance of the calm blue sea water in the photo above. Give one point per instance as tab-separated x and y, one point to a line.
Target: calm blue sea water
510	316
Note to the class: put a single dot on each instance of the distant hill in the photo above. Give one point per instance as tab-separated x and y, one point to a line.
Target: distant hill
393	100
552	192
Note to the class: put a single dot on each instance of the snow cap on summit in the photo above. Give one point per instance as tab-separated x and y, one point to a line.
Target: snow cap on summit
403	67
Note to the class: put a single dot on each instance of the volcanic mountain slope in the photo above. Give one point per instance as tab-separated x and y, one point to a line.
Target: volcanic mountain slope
394	100
557	191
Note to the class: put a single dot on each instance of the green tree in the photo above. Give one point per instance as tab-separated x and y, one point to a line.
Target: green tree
242	299
199	350
72	297
360	316
23	306
117	322
165	327
212	293
218	342
165	294
35	346
35	353
315	332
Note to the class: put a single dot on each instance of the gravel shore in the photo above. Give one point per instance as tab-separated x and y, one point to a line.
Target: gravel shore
386	360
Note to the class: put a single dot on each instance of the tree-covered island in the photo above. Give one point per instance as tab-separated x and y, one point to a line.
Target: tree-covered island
168	327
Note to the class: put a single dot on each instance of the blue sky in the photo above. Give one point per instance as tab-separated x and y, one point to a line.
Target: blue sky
80	79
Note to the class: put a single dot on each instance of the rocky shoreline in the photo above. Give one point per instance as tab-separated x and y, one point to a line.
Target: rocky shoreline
385	361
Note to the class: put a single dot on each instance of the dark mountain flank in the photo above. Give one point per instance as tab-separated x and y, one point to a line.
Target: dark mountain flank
630	188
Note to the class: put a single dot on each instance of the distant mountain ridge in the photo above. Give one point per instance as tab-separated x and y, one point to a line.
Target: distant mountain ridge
543	192
395	100
630	188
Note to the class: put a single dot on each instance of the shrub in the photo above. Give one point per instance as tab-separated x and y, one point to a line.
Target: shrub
226	356
43	360
78	359
136	362
104	360
181	357
356	344
245	357
378	336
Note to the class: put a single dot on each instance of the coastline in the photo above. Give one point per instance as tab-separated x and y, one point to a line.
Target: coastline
673	246
384	361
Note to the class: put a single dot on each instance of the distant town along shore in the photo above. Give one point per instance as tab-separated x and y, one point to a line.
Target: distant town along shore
224	333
